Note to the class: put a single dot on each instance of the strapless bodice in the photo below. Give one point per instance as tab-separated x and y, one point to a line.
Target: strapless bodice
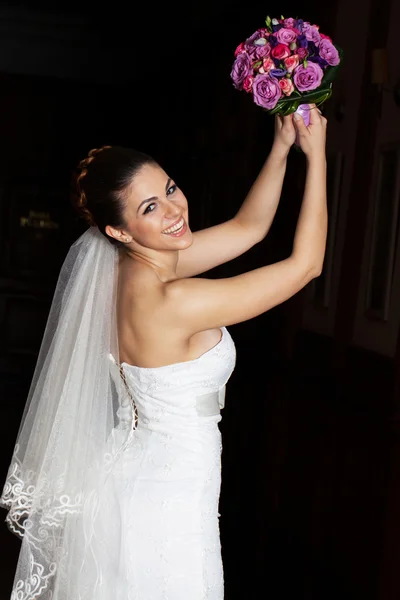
183	392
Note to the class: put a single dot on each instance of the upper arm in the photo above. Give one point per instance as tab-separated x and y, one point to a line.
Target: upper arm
200	304
214	246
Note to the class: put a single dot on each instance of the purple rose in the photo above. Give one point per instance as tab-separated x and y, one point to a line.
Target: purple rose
266	91
299	24
262	50
306	26
254	43
240	70
290	23
312	35
308	78
286	36
329	53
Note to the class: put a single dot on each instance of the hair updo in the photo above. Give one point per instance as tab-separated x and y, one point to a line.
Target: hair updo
100	182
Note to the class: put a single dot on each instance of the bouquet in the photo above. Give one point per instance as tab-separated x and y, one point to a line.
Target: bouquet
286	65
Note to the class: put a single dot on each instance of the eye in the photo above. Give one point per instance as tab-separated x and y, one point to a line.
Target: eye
149	209
171	189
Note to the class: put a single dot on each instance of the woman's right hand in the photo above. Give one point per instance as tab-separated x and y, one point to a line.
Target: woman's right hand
312	139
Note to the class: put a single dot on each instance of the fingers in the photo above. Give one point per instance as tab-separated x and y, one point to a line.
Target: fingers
315	114
299	122
287	122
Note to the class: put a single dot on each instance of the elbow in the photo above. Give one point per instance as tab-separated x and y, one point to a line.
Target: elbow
315	271
309	269
254	232
316	266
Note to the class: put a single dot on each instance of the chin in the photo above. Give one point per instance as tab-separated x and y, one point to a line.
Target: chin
188	241
180	243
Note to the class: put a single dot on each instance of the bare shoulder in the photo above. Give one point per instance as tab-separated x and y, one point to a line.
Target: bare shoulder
149	334
163	323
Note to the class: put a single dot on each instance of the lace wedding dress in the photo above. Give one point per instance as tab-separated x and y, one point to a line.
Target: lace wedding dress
168	479
106	510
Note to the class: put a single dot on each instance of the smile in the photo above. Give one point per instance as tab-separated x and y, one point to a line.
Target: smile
176	229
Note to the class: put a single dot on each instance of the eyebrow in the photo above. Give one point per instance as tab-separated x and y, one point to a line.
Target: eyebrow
154	197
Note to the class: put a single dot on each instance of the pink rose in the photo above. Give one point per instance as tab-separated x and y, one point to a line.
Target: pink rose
268	64
309	77
248	83
286	86
289	23
291	62
286	36
302	53
240	49
280	51
328	52
325	37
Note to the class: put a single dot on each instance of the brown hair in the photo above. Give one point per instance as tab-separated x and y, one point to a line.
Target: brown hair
100	183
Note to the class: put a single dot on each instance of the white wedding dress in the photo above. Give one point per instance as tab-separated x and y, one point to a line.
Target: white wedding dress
167	480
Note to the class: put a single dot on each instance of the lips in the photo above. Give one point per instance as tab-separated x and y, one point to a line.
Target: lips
175	228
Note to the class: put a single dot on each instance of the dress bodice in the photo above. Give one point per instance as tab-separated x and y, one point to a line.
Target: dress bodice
183	392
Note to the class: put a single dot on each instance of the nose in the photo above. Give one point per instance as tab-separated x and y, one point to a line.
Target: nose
172	210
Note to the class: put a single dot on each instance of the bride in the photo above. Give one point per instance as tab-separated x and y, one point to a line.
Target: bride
114	482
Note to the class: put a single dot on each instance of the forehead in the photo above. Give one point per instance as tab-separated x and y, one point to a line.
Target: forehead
149	181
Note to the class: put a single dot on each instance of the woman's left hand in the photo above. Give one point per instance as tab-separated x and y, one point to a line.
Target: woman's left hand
285	133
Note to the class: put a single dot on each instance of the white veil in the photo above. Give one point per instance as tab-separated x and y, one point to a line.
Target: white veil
60	489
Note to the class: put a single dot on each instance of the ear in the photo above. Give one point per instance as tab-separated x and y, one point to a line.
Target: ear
117	234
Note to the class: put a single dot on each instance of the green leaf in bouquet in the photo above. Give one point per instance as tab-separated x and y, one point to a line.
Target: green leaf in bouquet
289	105
257	65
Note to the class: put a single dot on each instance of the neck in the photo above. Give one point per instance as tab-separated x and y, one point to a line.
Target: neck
163	263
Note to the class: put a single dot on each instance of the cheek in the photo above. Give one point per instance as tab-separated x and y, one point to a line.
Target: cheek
183	201
142	228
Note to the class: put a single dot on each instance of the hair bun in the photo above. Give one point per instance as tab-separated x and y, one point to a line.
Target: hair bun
80	200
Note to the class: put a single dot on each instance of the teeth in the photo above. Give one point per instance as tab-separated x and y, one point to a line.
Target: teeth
175	228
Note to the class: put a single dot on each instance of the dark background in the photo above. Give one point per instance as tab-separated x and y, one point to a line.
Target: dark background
311	463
